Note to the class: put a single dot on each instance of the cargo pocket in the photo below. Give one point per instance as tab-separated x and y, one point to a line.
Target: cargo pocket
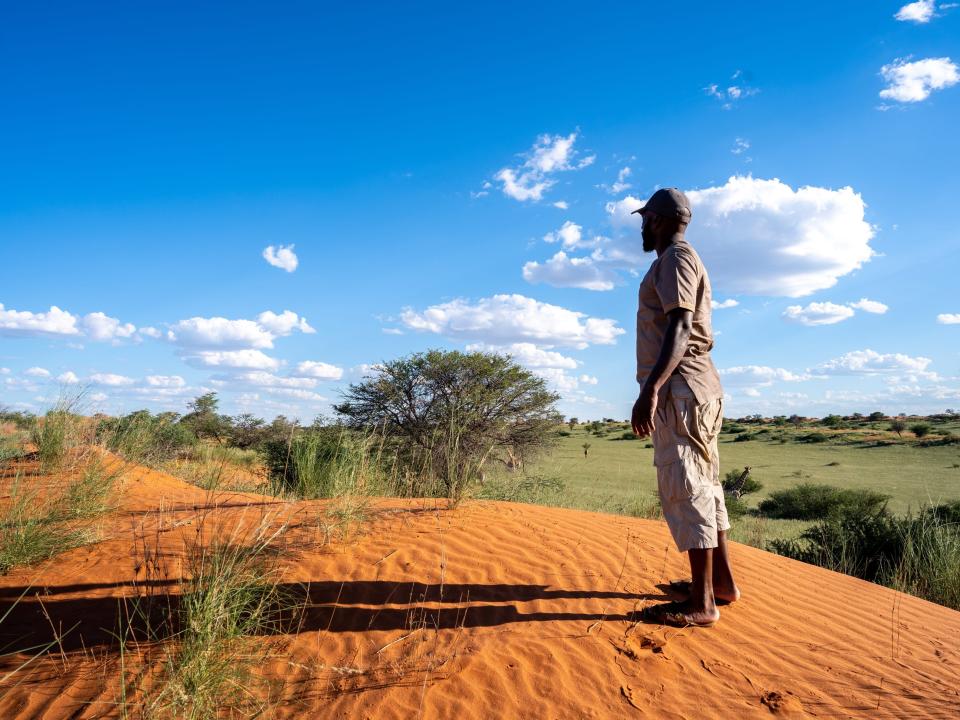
685	478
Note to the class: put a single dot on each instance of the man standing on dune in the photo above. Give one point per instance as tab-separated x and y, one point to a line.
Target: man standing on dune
681	406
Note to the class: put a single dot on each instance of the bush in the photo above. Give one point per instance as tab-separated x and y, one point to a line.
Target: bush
743	437
732	479
919	554
947	513
629	435
814	437
55	434
810	501
325	462
145	438
920	429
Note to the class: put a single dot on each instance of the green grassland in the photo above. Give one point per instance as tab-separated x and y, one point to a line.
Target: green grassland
618	475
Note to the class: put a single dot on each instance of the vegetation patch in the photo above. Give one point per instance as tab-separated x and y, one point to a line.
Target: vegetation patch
811	501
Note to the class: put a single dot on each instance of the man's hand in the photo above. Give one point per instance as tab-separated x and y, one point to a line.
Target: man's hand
644	410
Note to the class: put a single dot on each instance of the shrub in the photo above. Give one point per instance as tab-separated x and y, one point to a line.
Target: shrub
324	462
233	595
629	435
814	437
947	513
743	437
898	426
30	531
920	429
810	501
145	438
916	554
731	481
56	433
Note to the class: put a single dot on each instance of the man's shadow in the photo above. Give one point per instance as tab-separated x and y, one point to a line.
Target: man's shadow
330	606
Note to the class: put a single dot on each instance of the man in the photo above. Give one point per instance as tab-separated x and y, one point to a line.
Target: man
681	406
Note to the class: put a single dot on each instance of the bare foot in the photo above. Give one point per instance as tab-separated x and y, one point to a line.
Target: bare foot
681	614
722	595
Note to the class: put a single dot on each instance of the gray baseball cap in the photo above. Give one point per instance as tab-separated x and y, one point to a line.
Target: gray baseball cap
668	202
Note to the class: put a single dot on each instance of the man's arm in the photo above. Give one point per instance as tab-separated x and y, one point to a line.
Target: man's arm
675	339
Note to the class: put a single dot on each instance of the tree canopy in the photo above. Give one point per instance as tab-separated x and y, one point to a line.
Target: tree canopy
448	413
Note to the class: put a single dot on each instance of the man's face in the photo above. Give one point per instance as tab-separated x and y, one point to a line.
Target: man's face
647	232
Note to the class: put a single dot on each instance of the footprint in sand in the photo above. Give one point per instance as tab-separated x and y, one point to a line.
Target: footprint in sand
783	704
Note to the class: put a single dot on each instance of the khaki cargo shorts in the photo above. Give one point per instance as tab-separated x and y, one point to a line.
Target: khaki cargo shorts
688	466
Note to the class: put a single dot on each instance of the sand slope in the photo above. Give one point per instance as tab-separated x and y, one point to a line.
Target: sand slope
496	610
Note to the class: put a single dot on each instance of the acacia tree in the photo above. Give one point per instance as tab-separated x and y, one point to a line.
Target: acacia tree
447	413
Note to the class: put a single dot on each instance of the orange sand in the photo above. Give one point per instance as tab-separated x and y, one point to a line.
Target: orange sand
493	610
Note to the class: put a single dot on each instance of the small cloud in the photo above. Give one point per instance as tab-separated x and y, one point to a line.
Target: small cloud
319	370
740	146
111	379
621	184
246	359
870	306
733	93
38	372
165	381
920	12
588	380
150	332
562	204
729	303
818	313
282	257
948	318
68	378
392	331
550	154
909	82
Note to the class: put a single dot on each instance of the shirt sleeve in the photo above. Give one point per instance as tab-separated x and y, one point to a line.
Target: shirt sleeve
677	280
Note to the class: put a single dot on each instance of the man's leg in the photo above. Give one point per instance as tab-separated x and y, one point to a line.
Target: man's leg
724	587
701	607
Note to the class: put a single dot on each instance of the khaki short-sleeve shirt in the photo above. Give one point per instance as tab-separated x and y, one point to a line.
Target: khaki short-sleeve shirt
678	279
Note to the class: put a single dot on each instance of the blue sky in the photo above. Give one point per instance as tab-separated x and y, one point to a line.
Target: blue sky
461	177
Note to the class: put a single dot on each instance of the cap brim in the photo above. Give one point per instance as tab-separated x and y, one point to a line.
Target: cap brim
639	211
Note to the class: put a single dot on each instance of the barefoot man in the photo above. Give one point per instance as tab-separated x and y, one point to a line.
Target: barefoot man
681	406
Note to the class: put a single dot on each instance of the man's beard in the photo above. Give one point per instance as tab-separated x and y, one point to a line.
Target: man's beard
649	241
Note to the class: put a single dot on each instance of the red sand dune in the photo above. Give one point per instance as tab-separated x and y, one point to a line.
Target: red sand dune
498	610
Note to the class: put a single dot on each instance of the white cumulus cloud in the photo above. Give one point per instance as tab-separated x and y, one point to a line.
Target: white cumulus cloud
165	381
220	332
562	204
25	323
528	355
870	306
99	326
948	318
762	237
723	305
917	12
564	271
504	319
247	358
818	313
37	372
550	154
68	378
759	376
914	81
282	257
111	379
870	362
319	370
